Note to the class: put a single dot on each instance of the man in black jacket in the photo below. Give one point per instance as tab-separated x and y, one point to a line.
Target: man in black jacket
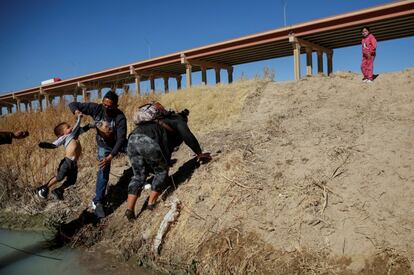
111	129
150	147
6	137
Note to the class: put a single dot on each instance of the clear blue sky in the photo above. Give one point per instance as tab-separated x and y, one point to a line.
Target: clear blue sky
47	38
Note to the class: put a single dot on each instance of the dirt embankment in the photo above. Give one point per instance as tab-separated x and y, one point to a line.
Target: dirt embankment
312	177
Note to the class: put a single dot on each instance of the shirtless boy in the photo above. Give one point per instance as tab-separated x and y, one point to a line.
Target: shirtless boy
68	137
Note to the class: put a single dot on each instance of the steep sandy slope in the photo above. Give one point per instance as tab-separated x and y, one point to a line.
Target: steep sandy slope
315	176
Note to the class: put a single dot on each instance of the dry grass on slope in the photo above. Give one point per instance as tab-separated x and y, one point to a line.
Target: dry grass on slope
25	165
315	179
211	107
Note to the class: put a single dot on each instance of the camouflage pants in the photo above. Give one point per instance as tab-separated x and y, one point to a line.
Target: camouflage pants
145	156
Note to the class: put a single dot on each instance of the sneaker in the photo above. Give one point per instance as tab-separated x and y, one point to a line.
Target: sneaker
364	80
129	214
369	81
99	210
58	193
42	191
151	206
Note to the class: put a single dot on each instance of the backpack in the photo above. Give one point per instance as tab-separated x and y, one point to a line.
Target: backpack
151	111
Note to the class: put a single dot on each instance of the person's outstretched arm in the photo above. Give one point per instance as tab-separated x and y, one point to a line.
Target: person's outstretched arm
191	141
84	108
6	137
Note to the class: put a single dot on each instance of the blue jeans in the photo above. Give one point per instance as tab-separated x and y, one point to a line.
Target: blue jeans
102	176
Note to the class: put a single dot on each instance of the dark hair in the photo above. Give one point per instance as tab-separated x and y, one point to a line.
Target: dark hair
184	114
368	29
59	128
112	96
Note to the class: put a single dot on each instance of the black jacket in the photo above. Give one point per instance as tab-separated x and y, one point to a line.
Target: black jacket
110	130
167	139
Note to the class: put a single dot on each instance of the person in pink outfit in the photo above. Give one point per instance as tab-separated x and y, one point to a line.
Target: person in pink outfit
369	47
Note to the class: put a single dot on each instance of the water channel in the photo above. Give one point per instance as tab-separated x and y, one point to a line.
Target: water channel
33	253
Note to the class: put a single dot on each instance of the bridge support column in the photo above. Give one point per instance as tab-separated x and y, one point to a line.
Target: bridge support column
61	99
85	94
297	43
217	70
296	60
137	84
39	99
309	61
188	70
204	65
230	75
18	107
9	109
30	106
75	96
320	62
100	93
178	79
166	88
203	75
47	100
125	88
152	84
329	55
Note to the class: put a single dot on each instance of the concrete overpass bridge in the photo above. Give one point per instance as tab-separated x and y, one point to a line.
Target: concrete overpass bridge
322	36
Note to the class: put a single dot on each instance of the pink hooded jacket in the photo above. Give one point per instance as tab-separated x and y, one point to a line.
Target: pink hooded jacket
369	45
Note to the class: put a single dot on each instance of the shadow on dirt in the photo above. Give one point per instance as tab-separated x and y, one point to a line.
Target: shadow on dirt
182	175
70	232
117	194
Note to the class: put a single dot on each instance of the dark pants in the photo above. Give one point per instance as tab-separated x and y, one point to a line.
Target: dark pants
67	168
145	155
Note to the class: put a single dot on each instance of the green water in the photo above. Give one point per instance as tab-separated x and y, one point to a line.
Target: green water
29	253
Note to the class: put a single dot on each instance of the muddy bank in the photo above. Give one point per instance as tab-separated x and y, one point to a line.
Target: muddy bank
20	221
